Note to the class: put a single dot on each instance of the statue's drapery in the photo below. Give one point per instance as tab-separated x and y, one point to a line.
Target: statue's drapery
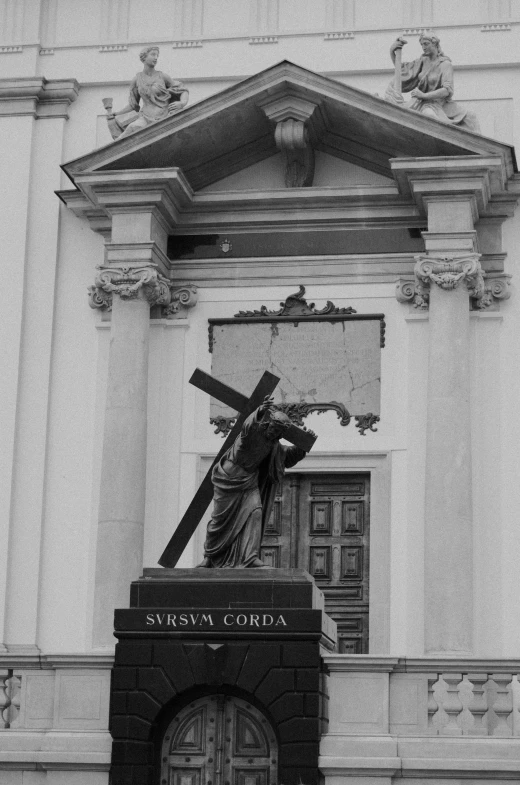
244	484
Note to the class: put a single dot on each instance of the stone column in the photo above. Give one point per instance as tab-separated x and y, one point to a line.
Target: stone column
448	575
452	192
137	210
123	471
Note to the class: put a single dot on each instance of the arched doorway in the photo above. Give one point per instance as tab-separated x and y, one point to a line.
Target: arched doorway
219	740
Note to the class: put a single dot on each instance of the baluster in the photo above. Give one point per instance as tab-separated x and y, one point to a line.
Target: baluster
432	704
503	705
14	693
4	699
452	704
479	704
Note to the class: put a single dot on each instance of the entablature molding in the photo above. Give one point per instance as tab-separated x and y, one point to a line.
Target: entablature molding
295	208
38	97
287	270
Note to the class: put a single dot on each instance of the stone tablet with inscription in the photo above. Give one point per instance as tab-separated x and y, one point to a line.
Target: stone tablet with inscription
323	362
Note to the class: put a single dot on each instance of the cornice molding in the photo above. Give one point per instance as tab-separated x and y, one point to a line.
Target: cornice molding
474	177
164	191
18	662
37	97
374	663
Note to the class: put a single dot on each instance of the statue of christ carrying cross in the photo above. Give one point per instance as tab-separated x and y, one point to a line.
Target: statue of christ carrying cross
244	486
243	477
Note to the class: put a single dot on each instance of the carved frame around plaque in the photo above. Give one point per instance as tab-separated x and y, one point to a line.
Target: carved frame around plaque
296	311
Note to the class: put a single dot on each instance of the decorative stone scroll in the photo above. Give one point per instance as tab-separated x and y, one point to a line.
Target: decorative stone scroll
130	282
447	272
182	298
328	360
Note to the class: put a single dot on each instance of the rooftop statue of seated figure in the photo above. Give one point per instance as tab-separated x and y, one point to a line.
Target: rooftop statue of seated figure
153	96
429	79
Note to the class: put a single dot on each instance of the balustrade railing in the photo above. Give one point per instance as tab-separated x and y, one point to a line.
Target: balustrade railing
425	696
10	697
473	704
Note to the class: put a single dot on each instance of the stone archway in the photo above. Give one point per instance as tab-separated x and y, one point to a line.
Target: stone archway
219	740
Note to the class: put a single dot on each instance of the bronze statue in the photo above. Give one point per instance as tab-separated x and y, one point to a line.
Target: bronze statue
244	486
153	96
429	79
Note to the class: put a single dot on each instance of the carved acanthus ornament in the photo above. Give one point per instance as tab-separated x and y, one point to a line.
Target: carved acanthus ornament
448	272
130	282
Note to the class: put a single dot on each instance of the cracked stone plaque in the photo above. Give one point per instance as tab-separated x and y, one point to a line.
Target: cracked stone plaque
321	364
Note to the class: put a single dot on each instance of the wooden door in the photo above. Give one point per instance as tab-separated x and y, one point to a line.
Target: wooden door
219	740
321	523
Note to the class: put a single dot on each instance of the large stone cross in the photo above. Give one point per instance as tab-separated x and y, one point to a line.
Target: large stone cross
245	406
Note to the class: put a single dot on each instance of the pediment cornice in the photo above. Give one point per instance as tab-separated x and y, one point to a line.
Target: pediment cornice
230	130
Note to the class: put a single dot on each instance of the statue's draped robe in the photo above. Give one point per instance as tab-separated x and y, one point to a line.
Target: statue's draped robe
427	76
244	493
149	96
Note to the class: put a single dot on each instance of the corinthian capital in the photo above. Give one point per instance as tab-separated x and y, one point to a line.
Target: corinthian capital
448	272
128	282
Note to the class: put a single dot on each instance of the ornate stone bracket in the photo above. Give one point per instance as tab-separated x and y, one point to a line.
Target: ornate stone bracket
129	282
448	272
292	139
296	122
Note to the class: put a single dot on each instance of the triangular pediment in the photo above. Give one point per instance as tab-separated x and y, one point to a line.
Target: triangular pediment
230	132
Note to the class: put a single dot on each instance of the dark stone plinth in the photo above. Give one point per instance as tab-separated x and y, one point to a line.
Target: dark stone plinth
201	588
254	634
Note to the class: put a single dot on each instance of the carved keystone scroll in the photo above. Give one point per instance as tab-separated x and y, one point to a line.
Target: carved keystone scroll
297	124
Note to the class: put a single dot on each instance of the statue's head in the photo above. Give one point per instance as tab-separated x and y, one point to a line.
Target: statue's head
143	54
277	423
430	39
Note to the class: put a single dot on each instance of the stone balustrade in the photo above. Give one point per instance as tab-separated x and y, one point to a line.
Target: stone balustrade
424	696
54	715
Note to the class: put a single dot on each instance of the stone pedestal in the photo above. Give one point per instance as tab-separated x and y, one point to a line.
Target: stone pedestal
252	634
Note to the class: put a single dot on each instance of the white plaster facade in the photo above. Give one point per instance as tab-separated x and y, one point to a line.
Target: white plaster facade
58	59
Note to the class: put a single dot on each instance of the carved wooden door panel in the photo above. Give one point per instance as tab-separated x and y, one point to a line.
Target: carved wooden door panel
321	523
219	740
